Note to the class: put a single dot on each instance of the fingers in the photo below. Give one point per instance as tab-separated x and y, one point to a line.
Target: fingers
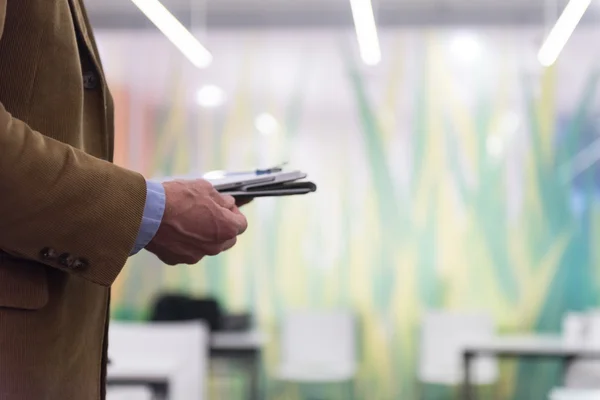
234	223
231	223
214	249
175	259
235	217
222	200
198	222
225	201
229	244
239	220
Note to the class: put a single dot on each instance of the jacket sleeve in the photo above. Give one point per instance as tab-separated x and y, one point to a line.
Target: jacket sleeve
62	207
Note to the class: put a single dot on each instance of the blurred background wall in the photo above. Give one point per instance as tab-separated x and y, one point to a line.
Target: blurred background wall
445	179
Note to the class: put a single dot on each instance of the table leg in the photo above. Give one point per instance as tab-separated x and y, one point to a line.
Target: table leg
567	362
254	376
467	388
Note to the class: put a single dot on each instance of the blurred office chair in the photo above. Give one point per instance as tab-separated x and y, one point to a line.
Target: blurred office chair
574	394
174	352
574	328
443	337
582	329
177	307
318	347
129	393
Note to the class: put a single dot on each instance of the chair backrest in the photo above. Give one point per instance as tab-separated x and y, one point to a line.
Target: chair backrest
574	328
182	346
178	307
592	331
573	394
443	337
583	329
319	339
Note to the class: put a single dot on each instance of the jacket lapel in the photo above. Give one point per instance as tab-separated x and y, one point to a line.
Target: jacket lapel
83	28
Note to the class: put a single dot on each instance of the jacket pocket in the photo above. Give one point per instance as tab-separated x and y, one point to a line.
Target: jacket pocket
23	284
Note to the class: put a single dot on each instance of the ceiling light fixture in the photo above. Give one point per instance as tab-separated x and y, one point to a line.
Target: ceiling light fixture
175	32
366	31
466	48
210	96
562	31
266	124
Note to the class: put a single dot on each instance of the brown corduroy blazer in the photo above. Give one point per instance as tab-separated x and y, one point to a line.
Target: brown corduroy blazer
68	216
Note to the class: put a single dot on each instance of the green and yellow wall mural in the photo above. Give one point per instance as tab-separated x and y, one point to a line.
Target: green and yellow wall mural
445	181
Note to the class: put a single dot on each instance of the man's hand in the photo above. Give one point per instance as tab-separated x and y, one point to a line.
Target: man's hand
198	221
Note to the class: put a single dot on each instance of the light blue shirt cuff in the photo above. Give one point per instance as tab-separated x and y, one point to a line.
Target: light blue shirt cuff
153	214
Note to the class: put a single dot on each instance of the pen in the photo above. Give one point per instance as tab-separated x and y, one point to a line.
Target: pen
267	171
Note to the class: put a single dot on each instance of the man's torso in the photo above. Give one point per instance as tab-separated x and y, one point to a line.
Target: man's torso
52	324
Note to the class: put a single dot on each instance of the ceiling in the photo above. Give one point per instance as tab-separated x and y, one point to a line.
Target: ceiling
230	14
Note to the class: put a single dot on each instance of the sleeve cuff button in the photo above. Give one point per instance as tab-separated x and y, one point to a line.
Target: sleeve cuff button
48	254
66	260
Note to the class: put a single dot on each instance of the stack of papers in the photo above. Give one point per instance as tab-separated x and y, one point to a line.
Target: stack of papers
261	183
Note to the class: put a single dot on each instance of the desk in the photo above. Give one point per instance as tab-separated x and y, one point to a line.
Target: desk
531	346
152	373
242	346
245	347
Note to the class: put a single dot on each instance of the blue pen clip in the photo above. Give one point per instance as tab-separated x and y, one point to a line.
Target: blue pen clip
271	170
224	174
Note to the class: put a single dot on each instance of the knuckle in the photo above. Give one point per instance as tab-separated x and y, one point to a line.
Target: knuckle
230	244
203	183
243	226
228	199
200	185
190	260
230	231
227	227
212	250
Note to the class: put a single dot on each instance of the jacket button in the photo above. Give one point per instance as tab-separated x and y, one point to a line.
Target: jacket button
48	254
80	264
90	80
66	260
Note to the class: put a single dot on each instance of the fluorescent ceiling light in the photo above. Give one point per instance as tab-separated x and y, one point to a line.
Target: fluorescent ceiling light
562	31
466	47
210	96
366	31
175	32
266	124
